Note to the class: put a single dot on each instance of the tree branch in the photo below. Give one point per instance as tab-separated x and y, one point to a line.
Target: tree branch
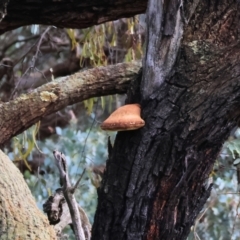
27	109
67	14
68	193
59	215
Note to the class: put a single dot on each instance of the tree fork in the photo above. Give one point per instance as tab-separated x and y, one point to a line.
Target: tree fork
156	180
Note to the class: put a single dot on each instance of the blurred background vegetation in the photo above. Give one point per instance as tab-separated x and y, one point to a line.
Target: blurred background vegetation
33	55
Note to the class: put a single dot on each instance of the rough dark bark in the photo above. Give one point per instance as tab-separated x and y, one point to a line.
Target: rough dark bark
156	180
73	14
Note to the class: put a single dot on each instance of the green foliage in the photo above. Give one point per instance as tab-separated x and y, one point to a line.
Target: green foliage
106	102
93	43
23	147
82	149
233	147
219	220
88	104
71	34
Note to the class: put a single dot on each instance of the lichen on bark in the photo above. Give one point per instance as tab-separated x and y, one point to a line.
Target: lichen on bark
20	217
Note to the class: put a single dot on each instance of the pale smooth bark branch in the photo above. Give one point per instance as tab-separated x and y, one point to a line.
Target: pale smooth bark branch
22	112
74	14
164	34
68	193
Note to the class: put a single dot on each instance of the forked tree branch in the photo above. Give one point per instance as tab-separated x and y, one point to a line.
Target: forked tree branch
24	111
68	192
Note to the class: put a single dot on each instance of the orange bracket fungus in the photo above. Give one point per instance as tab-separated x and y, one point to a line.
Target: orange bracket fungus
124	118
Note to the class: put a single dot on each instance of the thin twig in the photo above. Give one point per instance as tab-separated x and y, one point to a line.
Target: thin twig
18	41
78	181
34	58
90	129
197	222
235	219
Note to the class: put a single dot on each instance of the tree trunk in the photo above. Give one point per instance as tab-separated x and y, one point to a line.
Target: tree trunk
20	217
156	181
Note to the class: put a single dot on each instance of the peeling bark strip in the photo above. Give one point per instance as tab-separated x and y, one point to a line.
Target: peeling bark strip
27	109
65	14
156	177
162	43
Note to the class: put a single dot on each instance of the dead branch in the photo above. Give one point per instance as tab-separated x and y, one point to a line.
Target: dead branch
59	215
68	191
